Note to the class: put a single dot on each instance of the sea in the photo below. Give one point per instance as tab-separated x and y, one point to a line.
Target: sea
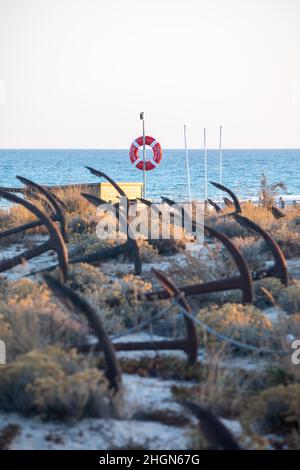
241	170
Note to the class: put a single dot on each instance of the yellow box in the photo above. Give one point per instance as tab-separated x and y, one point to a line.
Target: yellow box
109	193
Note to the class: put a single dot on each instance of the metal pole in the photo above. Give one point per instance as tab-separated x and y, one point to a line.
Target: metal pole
205	164
221	161
144	156
187	163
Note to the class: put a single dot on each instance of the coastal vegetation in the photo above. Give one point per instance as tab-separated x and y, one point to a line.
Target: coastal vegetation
258	386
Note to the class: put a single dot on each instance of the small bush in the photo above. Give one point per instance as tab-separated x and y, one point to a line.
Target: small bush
119	301
253	251
289	298
53	384
288	240
266	291
15	216
76	204
167	247
87	243
230	228
148	252
244	323
86	278
82	224
276	410
32	319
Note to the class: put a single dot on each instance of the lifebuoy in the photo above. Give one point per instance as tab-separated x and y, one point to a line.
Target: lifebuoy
134	153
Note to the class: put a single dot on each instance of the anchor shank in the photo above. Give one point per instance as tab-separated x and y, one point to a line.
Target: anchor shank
25	256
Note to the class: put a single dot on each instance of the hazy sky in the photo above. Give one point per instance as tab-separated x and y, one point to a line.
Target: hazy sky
76	73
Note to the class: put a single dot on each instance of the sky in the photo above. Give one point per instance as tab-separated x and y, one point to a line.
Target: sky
77	73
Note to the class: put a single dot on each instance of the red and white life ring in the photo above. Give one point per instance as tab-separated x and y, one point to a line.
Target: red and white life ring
134	153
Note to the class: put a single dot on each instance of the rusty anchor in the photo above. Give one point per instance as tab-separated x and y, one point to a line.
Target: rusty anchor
215	206
57	207
188	344
100	174
228	202
130	246
56	203
279	268
276	212
55	242
210	425
77	303
242	282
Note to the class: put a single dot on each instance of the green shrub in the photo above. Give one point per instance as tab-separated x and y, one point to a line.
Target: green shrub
119	301
288	240
86	278
244	323
276	410
53	384
87	243
33	320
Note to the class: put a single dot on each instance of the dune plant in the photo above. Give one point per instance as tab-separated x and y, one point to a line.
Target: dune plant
268	192
54	384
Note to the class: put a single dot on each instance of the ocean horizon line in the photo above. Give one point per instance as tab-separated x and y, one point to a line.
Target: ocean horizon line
127	148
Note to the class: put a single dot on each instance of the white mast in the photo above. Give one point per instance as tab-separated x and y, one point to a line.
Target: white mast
205	164
221	161
221	157
187	163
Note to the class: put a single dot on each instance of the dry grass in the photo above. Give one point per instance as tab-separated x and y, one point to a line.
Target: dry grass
258	214
76	204
15	216
81	215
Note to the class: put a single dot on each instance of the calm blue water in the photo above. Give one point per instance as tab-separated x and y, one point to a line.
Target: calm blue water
241	171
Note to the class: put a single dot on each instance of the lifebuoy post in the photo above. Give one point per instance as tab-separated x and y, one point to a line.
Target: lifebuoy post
143	164
144	155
